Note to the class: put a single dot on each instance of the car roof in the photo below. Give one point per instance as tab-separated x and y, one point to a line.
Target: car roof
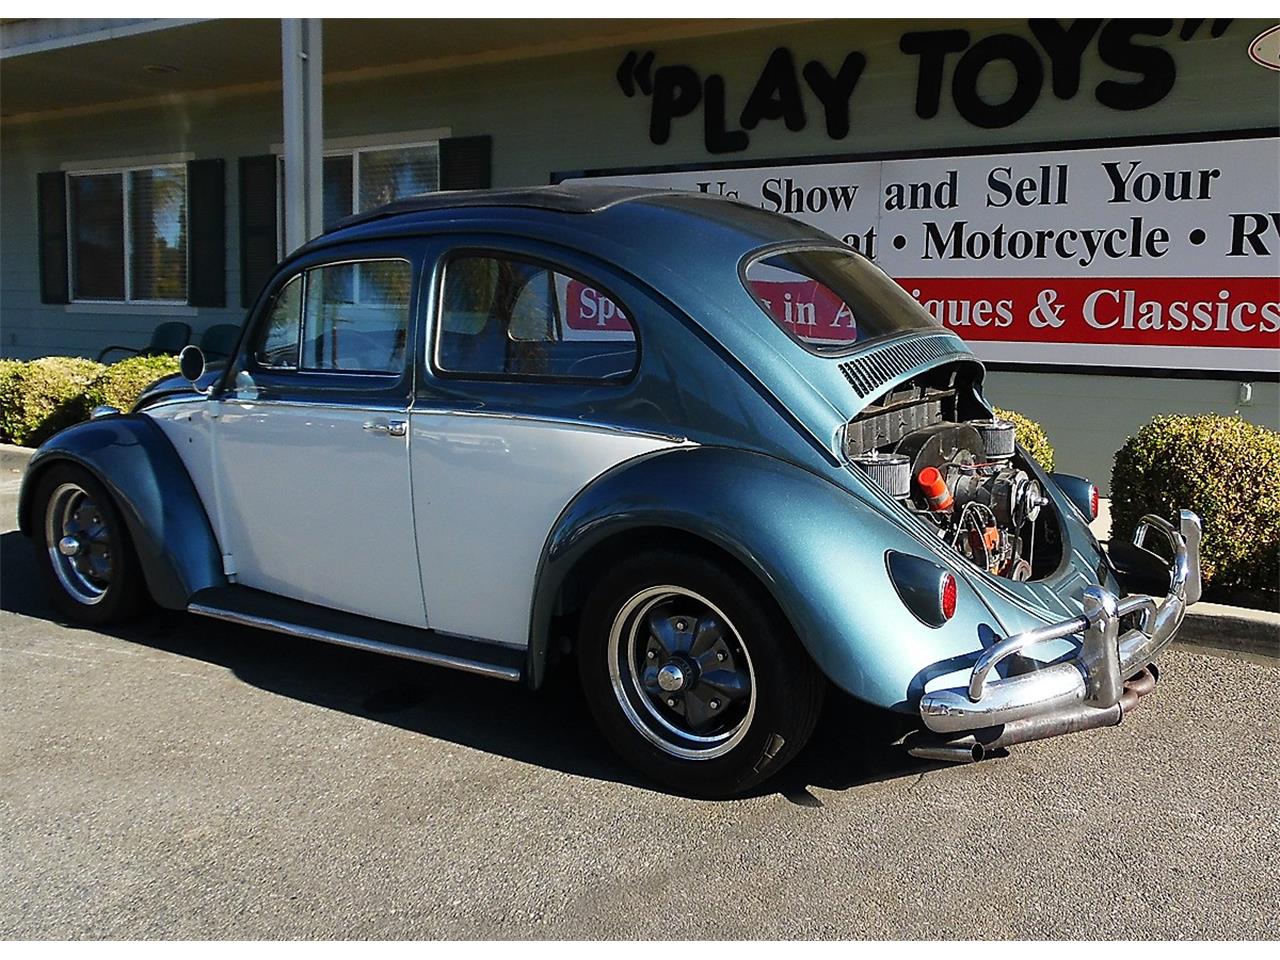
587	215
577	198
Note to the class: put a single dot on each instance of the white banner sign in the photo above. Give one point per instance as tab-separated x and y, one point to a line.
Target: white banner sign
1162	256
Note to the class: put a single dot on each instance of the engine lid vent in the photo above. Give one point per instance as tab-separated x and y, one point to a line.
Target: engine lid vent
868	373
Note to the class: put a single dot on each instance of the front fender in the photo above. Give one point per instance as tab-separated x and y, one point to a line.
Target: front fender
820	551
167	523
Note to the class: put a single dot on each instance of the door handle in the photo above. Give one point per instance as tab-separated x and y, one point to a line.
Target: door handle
392	428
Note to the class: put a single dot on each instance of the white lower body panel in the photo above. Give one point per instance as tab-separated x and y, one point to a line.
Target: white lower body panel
487	490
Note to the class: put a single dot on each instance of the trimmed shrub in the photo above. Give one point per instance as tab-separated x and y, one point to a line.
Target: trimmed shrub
1225	469
9	370
120	384
1032	437
39	398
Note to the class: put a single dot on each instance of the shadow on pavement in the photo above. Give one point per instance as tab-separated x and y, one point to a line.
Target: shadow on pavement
551	728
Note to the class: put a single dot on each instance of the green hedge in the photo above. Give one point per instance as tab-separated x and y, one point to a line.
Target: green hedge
120	384
40	397
1032	437
1227	471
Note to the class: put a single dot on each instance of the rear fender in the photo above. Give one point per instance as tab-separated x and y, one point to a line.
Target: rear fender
820	551
167	523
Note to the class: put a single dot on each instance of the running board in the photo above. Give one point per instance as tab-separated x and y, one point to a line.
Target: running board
254	608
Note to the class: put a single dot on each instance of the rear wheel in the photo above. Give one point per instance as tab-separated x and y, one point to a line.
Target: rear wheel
692	679
84	548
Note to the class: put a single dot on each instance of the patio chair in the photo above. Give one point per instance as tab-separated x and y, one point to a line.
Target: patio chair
218	342
168	338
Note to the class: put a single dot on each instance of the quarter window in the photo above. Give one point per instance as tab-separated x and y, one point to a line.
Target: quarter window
511	318
344	317
278	343
129	234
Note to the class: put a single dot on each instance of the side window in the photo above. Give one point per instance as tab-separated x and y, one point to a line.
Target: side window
277	343
505	317
355	316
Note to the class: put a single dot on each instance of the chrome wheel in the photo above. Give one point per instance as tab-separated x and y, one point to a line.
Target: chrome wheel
79	543
681	673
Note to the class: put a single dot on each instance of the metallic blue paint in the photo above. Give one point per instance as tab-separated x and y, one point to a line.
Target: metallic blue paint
1079	490
140	469
919	584
815	547
176	385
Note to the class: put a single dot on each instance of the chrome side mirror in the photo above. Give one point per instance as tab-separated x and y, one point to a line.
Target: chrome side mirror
191	365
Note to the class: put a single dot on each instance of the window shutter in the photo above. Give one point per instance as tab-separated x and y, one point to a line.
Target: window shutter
466	163
51	193
258	212
207	230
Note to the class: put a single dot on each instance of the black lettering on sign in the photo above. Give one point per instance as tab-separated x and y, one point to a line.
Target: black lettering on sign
1137	51
676	92
835	92
1065	47
776	95
1153	65
1028	71
1252	229
932	47
716	137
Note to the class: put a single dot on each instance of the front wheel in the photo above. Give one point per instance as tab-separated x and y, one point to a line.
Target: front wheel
693	679
84	548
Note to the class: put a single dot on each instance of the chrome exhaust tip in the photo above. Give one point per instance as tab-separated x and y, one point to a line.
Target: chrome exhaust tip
963	751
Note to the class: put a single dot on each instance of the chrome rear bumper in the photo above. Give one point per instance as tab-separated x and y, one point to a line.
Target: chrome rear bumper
1093	688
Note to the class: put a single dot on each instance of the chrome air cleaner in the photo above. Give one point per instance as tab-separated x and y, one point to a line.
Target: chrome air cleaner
997	437
890	471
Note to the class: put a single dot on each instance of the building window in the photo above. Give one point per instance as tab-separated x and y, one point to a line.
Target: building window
367	177
129	234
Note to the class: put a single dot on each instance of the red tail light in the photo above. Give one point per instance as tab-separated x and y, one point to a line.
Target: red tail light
948	596
1093	501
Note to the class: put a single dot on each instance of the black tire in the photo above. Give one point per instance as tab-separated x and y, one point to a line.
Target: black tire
107	584
661	732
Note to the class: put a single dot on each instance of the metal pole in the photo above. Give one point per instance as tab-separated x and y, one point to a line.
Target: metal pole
301	77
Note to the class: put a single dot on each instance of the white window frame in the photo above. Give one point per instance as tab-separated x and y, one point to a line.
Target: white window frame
126	195
353	147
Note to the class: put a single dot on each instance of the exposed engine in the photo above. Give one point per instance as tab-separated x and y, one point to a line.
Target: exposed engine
964	478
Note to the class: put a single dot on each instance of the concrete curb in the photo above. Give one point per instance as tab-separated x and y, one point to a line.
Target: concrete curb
14	458
1232	628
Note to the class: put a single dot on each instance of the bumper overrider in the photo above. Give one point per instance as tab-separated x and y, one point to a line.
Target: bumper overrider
1103	680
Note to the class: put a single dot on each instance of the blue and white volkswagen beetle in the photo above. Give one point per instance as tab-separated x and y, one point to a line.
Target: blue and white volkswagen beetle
709	453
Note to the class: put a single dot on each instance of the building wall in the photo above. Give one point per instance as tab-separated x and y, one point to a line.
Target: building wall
567	112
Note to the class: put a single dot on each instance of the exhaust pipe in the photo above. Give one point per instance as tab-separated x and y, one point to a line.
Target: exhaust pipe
967	750
974	747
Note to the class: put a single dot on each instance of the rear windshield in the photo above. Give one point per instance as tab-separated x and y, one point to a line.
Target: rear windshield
830	301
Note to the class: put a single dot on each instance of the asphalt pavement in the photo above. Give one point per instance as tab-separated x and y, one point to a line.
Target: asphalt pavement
187	778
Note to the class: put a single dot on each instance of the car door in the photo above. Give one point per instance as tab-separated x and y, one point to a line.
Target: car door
312	447
532	388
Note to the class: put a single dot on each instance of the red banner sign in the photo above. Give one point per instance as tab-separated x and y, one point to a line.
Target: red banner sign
1139	311
586	308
